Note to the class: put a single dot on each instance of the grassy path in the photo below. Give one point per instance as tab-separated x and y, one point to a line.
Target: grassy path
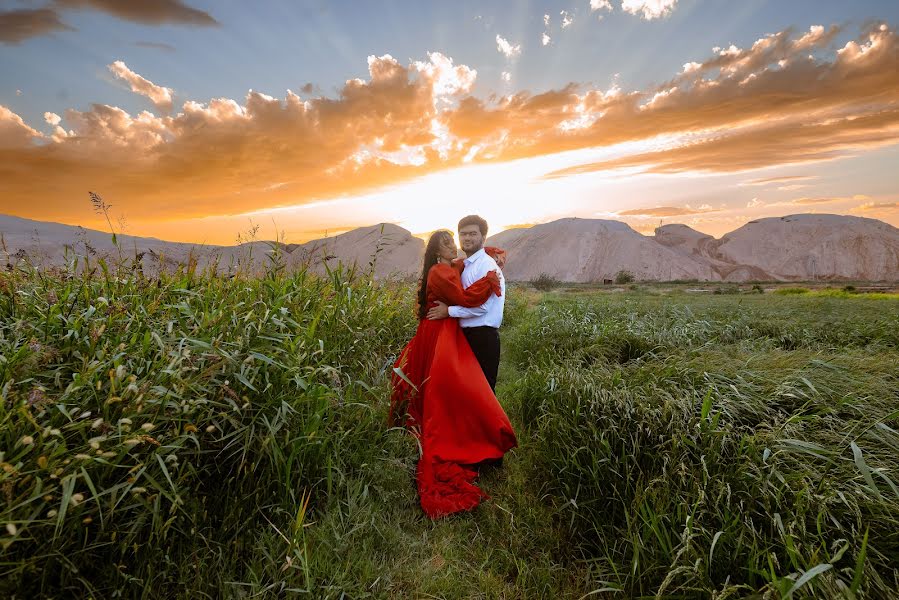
506	548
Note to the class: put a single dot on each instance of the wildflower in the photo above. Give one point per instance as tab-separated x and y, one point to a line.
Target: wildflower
82	457
120	371
11	528
42	462
139	490
147	426
76	499
97	424
132	441
189	428
51	514
27	440
125	421
87	520
210	429
55	432
37	397
108	454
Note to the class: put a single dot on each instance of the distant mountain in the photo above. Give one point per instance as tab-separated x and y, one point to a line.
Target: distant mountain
386	247
796	247
583	250
815	247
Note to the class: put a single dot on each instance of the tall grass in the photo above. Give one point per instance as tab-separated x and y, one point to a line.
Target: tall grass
191	435
155	431
718	447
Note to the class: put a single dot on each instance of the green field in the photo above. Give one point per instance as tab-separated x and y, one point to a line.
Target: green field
202	437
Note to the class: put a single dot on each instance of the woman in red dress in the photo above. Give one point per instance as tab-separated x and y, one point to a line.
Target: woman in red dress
440	392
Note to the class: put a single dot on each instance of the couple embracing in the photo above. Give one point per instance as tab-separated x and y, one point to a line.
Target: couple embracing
444	379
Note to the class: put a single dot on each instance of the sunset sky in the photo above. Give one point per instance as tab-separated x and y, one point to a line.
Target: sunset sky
197	119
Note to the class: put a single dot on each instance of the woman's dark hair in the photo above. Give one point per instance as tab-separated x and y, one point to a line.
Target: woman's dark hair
429	261
474	220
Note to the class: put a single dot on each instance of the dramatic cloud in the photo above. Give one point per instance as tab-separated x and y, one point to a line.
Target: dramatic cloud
17	26
764	106
774	103
220	157
503	45
647	9
160	96
157	12
665	211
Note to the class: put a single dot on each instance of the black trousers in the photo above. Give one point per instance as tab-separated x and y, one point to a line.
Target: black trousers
484	342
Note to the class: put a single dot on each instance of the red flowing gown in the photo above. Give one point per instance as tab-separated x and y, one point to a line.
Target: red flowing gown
451	408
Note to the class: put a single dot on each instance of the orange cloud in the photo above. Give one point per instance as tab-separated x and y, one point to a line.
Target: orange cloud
14	133
878	206
785	179
160	96
664	211
816	200
221	157
741	109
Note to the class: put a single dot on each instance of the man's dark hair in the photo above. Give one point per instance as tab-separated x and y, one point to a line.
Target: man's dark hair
474	220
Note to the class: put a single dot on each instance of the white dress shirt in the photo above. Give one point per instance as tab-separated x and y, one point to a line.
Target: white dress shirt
491	312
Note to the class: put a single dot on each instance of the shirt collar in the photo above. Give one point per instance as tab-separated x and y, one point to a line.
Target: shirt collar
474	257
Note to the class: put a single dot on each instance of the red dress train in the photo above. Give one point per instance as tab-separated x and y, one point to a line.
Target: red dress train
451	408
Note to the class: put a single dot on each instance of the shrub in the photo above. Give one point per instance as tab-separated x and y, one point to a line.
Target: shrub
622	277
545	282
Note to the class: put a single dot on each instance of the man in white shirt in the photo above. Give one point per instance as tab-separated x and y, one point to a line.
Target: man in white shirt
481	323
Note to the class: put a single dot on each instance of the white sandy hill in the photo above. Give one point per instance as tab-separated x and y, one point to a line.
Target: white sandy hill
49	244
703	247
392	249
797	247
808	247
584	250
